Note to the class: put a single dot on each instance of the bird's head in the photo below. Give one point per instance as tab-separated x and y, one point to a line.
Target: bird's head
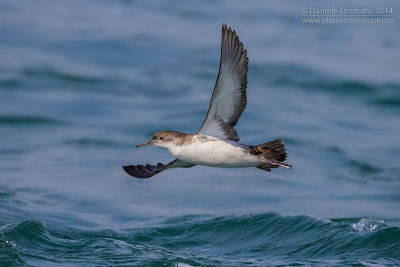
163	139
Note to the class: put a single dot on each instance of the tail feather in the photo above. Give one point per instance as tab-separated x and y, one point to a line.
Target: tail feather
274	152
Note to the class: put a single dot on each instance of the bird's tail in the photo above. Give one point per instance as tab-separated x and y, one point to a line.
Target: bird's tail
275	152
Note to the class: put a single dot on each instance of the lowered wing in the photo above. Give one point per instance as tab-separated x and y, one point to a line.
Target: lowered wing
229	96
142	171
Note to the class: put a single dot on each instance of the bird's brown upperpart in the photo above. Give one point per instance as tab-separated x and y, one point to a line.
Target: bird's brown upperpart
164	137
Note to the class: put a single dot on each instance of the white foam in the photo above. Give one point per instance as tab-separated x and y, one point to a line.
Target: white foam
367	224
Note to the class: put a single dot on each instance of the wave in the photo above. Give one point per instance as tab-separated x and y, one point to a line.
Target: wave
297	76
364	167
388	102
10	83
96	142
264	239
63	76
13	120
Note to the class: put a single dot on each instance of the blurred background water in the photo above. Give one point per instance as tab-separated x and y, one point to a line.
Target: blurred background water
81	82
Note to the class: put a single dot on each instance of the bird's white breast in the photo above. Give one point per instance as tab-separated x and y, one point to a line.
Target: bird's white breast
214	152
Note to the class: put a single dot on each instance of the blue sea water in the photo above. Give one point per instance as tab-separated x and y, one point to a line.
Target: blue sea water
81	82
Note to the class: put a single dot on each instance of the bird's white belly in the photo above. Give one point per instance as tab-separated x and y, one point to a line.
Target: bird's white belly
214	153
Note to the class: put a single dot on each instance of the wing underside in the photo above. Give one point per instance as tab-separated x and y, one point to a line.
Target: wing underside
229	99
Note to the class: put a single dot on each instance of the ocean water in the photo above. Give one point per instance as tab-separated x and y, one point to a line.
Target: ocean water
81	82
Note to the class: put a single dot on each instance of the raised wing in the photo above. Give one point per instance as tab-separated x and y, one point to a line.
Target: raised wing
141	171
229	97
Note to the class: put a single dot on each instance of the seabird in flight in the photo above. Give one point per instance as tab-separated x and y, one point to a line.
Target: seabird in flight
216	144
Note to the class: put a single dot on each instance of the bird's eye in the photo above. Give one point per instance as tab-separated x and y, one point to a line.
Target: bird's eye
161	138
153	137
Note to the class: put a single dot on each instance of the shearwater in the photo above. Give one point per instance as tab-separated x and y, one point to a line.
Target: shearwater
216	143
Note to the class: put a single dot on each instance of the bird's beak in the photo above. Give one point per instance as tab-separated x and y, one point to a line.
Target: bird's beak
144	144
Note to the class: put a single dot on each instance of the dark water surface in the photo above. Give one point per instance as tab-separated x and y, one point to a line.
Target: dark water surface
82	82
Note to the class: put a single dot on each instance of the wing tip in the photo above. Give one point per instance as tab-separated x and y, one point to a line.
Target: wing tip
233	49
143	171
136	171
